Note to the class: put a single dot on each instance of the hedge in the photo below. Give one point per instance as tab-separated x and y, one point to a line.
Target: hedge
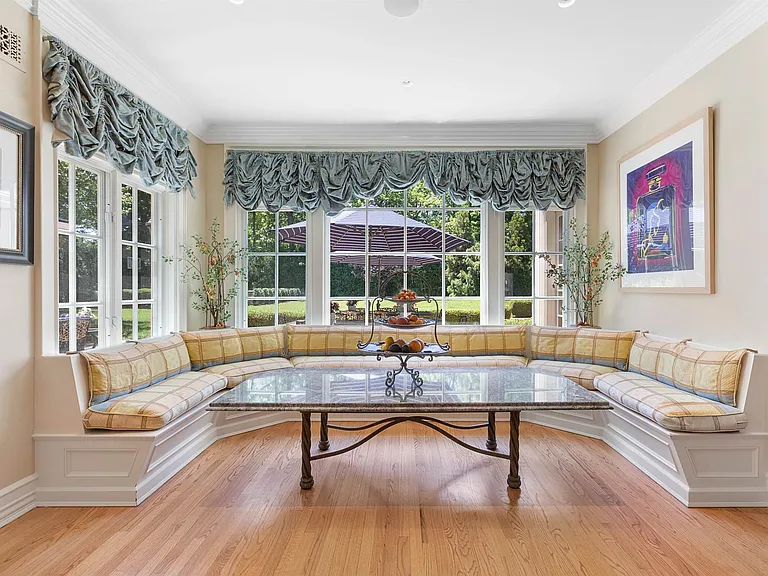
144	294
270	292
519	309
462	316
261	317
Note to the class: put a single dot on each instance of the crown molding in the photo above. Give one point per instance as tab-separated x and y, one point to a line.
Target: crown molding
403	136
736	24
65	20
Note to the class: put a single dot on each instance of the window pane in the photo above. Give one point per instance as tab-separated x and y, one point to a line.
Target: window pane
290	224
261	232
292	276
144	217
261	313
87	281
518	232
389	199
518	276
86	201
544	285
549	313
462	229
386	231
518	312
144	320
63	179
462	275
127	265
87	328
63	330
261	277
348	231
145	273
419	196
127	322
348	279
385	279
291	311
63	268
425	275
549	231
127	213
462	312
425	231
348	311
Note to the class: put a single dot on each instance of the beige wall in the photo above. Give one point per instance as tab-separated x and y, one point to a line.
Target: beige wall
736	85
16	291
197	220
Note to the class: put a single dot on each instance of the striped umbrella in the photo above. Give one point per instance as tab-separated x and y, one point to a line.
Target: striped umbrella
385	233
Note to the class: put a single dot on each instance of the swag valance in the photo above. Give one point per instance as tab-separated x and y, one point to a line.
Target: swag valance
508	179
96	114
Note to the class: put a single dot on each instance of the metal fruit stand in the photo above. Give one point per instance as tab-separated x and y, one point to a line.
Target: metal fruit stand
429	351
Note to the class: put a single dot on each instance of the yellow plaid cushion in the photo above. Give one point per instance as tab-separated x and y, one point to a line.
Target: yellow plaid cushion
267	342
653	358
156	406
669	407
711	374
213	347
325	340
553	343
166	357
113	374
603	347
582	374
344	362
241	371
467	340
496	361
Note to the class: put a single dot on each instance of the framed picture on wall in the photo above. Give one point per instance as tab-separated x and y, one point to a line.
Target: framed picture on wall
17	173
665	211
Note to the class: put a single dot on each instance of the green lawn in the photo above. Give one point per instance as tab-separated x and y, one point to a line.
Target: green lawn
145	323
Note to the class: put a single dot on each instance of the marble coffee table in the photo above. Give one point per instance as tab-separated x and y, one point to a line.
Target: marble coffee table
483	390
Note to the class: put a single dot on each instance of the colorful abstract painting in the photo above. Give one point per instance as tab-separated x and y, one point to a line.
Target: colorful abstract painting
659	198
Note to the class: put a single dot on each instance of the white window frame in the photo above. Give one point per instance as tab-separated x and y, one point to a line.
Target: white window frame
169	295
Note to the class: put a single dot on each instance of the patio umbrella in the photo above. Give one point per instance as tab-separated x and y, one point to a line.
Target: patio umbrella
381	262
385	233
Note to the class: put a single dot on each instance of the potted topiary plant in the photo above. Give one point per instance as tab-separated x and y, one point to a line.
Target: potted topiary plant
352	305
584	272
212	263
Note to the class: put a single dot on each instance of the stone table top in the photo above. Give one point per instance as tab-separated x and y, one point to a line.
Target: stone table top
444	390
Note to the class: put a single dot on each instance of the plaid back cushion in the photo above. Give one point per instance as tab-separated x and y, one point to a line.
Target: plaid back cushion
711	374
113	374
326	340
213	347
553	343
653	358
266	342
603	347
166	357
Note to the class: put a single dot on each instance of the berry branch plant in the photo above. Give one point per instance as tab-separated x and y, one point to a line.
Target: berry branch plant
212	264
584	271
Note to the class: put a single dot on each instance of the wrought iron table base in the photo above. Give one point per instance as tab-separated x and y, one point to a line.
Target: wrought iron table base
307	457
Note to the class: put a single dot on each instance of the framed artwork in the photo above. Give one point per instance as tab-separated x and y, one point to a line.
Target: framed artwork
17	195
665	212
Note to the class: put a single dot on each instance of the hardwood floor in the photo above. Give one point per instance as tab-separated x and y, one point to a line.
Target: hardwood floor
408	502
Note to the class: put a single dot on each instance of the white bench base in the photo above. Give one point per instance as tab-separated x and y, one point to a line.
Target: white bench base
124	468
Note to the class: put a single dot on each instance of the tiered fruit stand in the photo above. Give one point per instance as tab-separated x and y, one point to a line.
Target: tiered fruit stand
429	351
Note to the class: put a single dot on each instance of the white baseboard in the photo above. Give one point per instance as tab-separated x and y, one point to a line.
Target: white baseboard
17	499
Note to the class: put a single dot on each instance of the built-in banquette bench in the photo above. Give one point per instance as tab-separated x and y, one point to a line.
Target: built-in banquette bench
121	421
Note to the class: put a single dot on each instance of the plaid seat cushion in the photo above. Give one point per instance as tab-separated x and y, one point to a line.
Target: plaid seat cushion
154	407
166	356
326	340
711	374
240	371
344	362
213	347
469	362
585	345
669	407
266	342
114	374
582	374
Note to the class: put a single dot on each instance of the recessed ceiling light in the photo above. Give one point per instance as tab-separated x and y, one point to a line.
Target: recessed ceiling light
566	3
407	83
401	8
237	2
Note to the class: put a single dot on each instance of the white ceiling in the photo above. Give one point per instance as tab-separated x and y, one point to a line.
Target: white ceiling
253	70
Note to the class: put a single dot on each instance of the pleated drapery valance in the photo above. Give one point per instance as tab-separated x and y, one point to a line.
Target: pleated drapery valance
508	179
96	114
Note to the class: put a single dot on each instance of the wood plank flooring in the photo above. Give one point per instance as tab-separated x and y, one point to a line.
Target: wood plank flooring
408	502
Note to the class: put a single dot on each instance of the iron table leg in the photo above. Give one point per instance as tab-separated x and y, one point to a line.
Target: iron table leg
513	480
323	444
306	447
491	442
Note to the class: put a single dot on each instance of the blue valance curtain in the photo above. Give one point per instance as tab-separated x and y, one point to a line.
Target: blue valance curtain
508	179
96	114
